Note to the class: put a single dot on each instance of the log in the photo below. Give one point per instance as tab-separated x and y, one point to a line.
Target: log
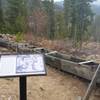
15	47
4	43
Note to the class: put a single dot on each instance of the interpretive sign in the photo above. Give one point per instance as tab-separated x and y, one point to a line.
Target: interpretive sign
21	65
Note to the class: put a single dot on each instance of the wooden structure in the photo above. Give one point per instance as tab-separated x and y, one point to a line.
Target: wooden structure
63	62
73	65
92	83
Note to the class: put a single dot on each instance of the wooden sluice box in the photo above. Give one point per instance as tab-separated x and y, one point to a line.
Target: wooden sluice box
70	64
76	66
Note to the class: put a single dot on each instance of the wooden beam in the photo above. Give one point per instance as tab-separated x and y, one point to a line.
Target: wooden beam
92	84
53	52
85	62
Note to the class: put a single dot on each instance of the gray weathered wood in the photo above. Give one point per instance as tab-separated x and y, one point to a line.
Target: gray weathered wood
92	84
57	60
53	52
67	65
14	46
86	62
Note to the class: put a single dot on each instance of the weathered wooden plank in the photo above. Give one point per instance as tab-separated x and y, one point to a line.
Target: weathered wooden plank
84	71
92	84
76	69
53	62
85	62
15	47
52	52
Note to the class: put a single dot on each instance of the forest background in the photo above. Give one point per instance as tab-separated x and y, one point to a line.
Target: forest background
76	20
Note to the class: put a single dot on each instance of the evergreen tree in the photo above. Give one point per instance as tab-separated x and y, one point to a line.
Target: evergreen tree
80	18
34	9
34	5
15	16
52	20
49	8
67	15
1	18
60	31
95	28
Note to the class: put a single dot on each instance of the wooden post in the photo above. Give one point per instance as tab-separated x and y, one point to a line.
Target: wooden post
23	87
92	84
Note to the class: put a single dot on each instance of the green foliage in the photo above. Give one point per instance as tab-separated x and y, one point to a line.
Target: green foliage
48	6
68	15
72	22
1	18
15	16
19	37
78	16
95	28
33	5
60	31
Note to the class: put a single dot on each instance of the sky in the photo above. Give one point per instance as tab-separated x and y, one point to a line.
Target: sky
58	0
96	2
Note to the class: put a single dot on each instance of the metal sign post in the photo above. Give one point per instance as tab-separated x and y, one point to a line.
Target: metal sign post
23	87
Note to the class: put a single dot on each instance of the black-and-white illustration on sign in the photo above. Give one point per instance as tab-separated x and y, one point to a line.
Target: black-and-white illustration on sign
17	65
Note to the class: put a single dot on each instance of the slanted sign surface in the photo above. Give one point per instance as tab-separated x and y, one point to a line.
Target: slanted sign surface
19	65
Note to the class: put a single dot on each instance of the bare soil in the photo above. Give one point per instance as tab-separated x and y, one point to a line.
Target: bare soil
55	86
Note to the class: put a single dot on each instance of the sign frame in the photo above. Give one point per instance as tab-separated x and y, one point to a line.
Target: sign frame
11	76
23	78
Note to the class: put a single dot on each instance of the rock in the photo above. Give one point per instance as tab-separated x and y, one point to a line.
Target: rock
41	88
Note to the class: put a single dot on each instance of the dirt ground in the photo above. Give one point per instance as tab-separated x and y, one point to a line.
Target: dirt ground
55	86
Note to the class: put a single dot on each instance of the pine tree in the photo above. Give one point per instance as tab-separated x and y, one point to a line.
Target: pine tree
34	8
67	15
95	28
52	20
84	19
80	18
60	30
1	17
15	16
49	8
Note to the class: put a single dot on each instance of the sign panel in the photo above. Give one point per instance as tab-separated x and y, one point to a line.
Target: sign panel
19	65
